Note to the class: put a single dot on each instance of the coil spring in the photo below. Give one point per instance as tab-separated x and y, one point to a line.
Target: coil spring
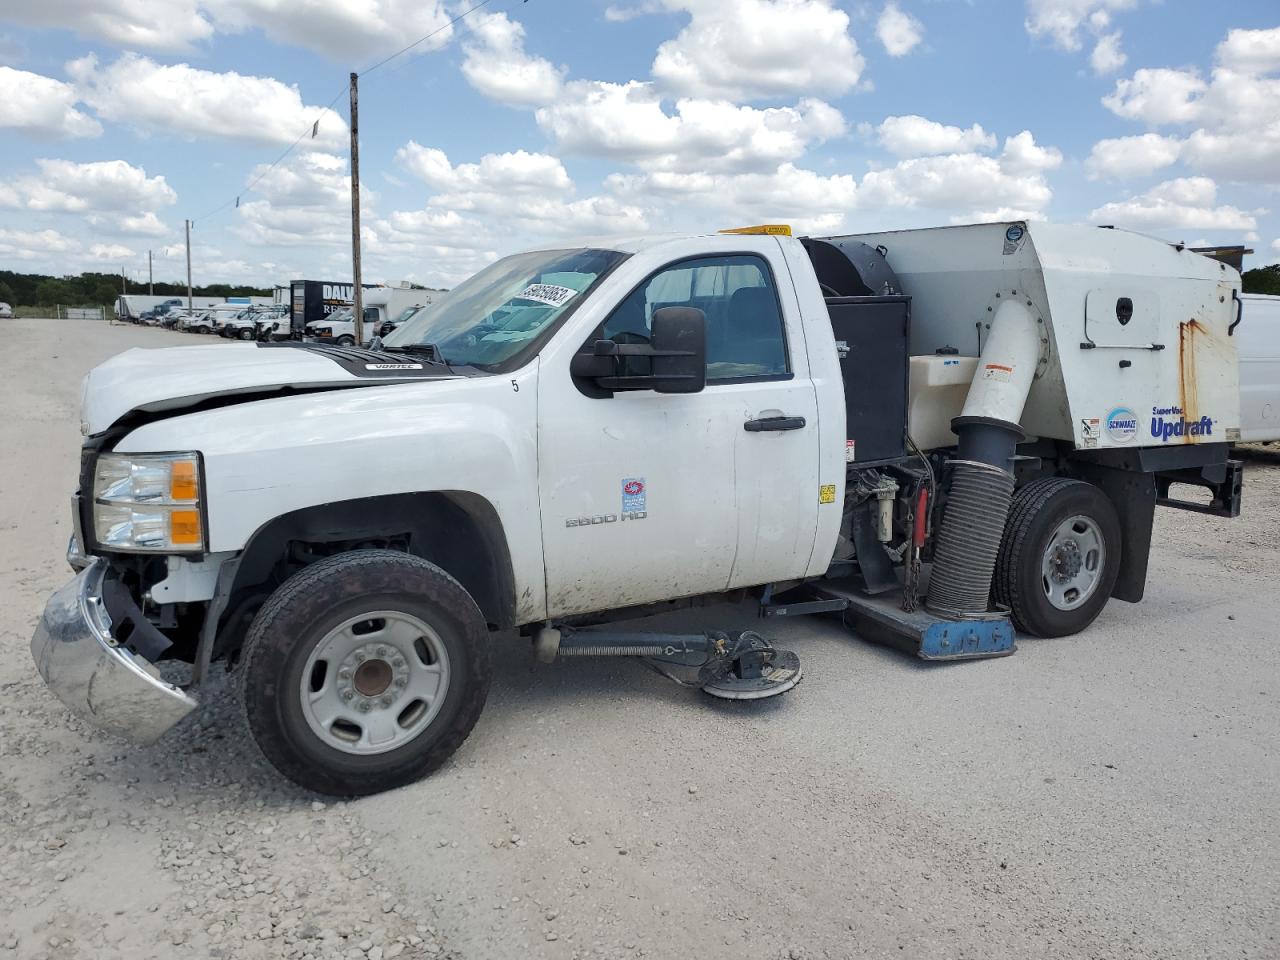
605	650
964	557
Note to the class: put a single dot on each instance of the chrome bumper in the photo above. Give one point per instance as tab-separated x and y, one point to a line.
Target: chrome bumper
108	685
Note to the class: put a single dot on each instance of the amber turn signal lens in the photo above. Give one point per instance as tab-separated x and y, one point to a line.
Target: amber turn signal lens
184	527
182	481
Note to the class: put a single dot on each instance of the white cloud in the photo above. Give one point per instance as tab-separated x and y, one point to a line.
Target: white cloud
898	32
628	122
1237	155
618	13
808	201
1022	156
999	215
1251	51
142	225
103	186
1063	21
1132	156
183	100
1157	96
112	252
42	106
496	64
746	49
496	173
1275	245
955	182
1107	57
137	24
966	185
1187	203
530	190
1236	112
305	201
339	29
913	136
34	242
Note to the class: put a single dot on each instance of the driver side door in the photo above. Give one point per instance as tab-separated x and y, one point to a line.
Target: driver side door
640	491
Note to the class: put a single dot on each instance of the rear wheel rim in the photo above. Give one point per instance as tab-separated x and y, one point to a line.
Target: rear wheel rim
1072	563
374	682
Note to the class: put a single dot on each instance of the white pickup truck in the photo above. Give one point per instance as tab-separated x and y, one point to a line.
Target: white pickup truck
941	433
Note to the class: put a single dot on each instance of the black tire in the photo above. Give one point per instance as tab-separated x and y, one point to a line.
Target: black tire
300	614
1019	583
346	341
246	334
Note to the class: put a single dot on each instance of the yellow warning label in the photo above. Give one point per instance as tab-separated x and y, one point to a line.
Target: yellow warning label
827	493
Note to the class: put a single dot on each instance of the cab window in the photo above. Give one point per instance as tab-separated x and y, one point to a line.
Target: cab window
745	337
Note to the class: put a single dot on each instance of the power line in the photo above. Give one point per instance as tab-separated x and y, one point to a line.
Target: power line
313	127
462	16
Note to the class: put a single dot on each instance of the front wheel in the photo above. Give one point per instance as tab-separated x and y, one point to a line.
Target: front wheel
346	341
1059	557
364	672
246	334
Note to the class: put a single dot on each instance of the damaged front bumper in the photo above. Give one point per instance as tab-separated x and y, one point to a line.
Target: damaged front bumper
98	678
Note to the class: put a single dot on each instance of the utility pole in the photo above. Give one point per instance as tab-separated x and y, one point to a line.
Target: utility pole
188	223
357	293
151	277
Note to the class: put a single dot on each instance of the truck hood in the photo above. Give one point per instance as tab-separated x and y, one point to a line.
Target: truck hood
173	378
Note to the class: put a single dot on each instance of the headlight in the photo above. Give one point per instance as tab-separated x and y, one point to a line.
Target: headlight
148	502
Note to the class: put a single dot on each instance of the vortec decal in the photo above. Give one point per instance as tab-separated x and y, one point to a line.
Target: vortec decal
1169	422
1122	425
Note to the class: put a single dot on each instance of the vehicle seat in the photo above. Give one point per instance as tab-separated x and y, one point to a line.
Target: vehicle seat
749	336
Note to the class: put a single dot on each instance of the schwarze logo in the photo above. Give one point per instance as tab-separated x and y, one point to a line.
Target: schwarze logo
1169	422
1122	424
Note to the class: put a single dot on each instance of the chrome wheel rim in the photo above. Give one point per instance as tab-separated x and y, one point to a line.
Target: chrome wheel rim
374	682
1073	561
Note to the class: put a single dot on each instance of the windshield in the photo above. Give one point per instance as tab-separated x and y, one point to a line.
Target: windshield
406	314
338	316
493	318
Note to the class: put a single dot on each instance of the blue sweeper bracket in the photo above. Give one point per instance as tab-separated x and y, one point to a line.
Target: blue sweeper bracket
881	619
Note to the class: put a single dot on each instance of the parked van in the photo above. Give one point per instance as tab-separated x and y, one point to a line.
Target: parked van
1258	340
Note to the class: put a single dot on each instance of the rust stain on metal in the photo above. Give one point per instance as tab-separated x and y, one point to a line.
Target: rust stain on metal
1191	335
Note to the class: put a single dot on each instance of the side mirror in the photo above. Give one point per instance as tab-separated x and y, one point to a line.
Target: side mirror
677	352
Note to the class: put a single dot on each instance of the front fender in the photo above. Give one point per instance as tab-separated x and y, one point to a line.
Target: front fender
267	458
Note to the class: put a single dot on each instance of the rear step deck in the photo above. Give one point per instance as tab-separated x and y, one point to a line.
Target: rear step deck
882	620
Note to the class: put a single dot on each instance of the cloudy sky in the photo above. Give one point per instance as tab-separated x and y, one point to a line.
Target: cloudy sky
532	122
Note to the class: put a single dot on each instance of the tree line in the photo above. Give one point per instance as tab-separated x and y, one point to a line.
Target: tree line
1262	280
39	290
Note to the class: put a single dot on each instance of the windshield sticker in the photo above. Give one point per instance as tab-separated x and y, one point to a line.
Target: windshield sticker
552	294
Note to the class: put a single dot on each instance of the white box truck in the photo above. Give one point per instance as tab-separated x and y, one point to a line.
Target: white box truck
383	309
578	435
1259	343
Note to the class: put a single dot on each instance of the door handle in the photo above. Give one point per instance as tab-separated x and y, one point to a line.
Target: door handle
774	423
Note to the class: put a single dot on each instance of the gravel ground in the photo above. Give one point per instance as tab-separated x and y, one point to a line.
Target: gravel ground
1111	795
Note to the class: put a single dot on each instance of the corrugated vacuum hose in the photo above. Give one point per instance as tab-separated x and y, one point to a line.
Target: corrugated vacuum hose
968	541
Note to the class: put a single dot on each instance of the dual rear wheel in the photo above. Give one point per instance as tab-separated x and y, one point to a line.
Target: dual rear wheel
1059	557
